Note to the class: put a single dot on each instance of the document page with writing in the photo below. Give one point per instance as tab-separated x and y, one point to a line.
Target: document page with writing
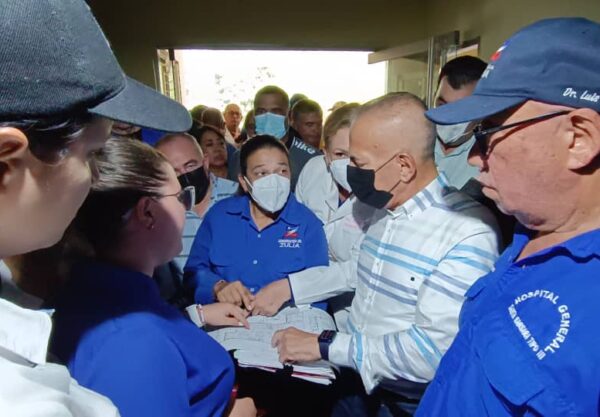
253	346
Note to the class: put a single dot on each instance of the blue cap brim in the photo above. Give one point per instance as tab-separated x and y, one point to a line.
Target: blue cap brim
474	107
143	106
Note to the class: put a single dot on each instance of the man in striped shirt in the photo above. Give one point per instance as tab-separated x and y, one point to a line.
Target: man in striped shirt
422	249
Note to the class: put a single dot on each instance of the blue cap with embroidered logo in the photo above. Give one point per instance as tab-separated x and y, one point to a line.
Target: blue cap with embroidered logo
554	61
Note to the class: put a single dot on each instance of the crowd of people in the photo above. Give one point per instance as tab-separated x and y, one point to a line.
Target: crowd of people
456	247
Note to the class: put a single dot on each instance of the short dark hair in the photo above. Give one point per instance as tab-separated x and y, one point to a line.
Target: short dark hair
49	139
462	70
255	144
272	89
306	106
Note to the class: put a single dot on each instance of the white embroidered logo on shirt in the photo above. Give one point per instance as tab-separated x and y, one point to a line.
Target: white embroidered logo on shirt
563	328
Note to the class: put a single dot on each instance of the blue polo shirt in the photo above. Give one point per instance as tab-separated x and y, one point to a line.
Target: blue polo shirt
229	246
529	343
119	338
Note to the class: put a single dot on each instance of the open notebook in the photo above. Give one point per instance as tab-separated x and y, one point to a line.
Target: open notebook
253	346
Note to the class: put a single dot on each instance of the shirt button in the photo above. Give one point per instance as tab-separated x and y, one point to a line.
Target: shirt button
255	262
259	236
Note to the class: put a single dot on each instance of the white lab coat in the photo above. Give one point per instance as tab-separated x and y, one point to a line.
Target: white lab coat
317	190
32	387
344	227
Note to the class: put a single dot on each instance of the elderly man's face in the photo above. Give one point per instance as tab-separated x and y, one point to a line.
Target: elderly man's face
525	170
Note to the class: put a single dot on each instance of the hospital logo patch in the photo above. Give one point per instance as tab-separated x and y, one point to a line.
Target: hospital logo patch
290	238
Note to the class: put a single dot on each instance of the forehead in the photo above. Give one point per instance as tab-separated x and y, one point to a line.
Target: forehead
266	156
180	147
310	117
210	135
233	108
271	100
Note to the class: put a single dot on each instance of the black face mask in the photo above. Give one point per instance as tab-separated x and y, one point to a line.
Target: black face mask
362	182
198	179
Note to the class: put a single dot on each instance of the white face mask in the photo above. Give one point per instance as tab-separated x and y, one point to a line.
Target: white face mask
270	192
453	135
339	172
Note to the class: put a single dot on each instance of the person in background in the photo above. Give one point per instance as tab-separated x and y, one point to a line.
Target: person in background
323	185
294	99
246	242
425	244
192	169
457	80
214	147
112	329
271	108
307	122
196	113
337	105
528	338
249	128
233	116
55	113
214	118
126	130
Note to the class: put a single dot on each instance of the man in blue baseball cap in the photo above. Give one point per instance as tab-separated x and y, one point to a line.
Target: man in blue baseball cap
61	88
528	339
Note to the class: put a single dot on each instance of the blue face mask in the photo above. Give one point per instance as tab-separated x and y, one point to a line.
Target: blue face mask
270	124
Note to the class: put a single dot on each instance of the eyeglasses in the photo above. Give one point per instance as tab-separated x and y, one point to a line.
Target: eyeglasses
482	135
186	196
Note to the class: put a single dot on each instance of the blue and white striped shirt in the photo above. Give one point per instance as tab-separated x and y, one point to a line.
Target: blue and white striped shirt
413	269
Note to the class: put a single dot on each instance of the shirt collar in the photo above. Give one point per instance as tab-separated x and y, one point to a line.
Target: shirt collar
24	332
126	288
424	199
581	246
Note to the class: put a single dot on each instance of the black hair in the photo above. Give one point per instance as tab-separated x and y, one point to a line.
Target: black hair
255	144
49	139
462	70
306	106
272	89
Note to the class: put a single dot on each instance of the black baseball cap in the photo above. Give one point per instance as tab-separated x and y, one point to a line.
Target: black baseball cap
56	61
554	61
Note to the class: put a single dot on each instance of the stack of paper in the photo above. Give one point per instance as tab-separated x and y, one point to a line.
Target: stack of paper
253	346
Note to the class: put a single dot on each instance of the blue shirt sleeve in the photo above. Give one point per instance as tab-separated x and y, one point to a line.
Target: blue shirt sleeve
142	372
198	275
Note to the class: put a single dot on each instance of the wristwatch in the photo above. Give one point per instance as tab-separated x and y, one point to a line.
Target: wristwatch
325	339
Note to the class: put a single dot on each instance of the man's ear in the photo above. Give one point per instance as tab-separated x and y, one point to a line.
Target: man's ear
13	148
408	167
144	213
583	138
243	183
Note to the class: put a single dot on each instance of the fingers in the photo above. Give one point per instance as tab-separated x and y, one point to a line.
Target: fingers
239	316
276	339
246	297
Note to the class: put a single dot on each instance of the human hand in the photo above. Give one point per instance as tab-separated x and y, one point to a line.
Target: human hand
294	345
269	299
234	293
225	314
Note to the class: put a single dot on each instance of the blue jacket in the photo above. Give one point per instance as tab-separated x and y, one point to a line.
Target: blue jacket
229	246
529	343
119	338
